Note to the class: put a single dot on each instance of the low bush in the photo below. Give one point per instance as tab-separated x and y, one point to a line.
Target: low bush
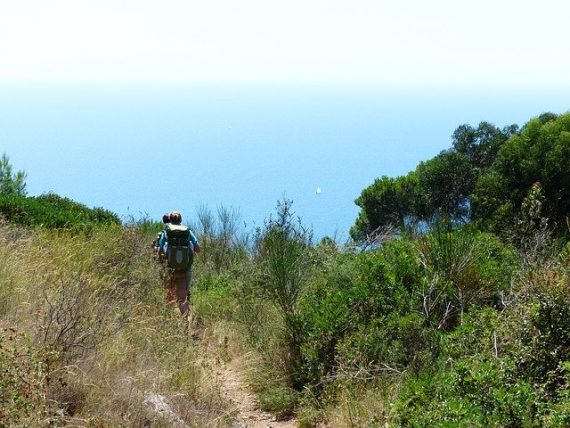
23	379
462	268
53	211
471	391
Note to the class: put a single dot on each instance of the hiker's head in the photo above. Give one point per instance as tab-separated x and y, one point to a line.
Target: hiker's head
175	217
166	218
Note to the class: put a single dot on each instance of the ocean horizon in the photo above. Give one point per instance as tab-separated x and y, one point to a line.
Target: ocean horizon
141	150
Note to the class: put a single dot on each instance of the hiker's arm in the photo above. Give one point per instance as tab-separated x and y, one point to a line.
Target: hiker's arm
194	241
161	242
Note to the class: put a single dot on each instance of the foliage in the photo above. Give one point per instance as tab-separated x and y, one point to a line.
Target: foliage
444	185
23	376
481	144
53	211
441	186
462	268
468	392
11	183
545	341
388	201
223	242
101	337
444	325
281	250
539	153
343	310
496	369
212	298
279	400
483	178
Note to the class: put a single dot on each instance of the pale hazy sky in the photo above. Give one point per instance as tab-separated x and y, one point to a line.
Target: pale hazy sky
327	41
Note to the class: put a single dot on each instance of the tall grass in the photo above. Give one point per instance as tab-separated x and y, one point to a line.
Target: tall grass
92	314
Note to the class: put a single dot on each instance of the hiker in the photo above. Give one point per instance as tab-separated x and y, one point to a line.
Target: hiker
178	244
158	250
159	254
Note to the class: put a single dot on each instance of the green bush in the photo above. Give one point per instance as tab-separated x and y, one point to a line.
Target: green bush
545	342
23	380
282	251
345	311
223	242
558	414
462	268
496	369
394	344
278	399
11	183
472	391
53	211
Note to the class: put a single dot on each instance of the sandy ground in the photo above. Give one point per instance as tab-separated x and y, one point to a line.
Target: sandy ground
246	406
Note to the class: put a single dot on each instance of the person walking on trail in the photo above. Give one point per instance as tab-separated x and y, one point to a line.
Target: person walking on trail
178	244
160	256
158	250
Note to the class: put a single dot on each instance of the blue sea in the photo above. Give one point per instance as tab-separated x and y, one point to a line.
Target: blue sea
142	150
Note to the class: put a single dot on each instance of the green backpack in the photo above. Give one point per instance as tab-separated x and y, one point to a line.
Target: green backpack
179	251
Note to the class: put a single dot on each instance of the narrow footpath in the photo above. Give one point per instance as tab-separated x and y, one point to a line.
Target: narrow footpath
246	407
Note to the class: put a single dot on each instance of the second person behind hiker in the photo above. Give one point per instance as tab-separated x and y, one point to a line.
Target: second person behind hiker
179	245
158	250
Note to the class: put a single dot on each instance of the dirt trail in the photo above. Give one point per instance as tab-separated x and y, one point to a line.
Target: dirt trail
247	412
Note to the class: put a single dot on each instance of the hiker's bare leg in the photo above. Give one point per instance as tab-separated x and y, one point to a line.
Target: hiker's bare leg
182	293
170	286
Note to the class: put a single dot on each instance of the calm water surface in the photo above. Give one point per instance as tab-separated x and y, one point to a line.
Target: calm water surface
146	149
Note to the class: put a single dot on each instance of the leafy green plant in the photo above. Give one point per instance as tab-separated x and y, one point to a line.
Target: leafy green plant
468	392
53	211
11	183
539	153
462	268
282	251
545	339
23	379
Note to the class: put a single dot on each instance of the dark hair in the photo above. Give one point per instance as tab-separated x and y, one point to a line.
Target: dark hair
166	218
175	217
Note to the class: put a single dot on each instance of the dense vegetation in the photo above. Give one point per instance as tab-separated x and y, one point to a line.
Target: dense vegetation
452	326
483	178
455	312
53	211
86	336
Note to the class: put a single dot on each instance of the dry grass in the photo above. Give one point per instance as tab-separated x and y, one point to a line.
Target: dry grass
355	404
93	307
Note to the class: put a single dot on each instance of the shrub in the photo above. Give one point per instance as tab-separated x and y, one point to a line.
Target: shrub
222	241
350	313
212	298
53	211
545	342
282	251
462	268
11	183
23	378
468	392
